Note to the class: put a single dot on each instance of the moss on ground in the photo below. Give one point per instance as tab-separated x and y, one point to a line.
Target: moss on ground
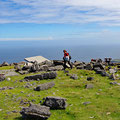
104	98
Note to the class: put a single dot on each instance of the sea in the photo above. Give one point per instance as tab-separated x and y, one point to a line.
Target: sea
16	51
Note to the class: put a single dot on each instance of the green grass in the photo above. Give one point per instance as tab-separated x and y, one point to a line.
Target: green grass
104	98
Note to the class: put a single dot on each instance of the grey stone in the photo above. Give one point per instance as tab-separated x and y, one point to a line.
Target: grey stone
113	77
10	72
113	83
2	77
98	65
78	63
18	68
22	72
81	67
57	62
56	68
35	112
74	76
112	70
89	67
45	86
89	86
5	64
55	102
86	103
50	75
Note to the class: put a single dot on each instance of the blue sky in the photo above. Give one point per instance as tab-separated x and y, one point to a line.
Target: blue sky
84	21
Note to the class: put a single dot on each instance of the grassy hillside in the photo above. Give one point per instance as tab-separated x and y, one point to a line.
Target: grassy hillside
103	100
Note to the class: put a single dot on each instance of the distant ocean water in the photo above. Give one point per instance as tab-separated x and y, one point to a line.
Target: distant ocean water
12	51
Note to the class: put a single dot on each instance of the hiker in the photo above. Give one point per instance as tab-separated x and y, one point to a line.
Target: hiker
66	59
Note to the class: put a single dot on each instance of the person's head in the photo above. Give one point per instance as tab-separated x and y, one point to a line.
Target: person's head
64	51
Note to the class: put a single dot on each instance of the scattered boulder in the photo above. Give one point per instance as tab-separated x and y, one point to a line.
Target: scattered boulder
113	77
104	73
89	86
5	64
89	67
74	76
98	65
2	77
86	103
113	83
78	63
55	102
35	112
58	62
18	68
90	78
81	67
112	70
44	86
50	75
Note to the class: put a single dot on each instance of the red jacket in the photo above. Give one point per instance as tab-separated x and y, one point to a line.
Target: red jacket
66	54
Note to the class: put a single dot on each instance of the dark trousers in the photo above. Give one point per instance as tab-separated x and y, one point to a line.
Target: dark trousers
65	66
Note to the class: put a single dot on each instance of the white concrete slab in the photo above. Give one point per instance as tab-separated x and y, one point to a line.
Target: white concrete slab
39	59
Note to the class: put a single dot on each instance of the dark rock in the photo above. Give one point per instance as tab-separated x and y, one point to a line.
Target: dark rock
5	64
89	67
113	83
57	62
81	67
14	111
44	86
2	77
103	73
98	65
35	112
89	86
65	71
55	102
90	78
51	75
44	68
26	67
18	68
78	63
74	76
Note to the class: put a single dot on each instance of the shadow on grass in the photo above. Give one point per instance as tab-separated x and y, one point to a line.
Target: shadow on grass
18	118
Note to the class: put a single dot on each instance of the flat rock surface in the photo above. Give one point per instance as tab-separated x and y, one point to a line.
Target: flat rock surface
39	59
10	72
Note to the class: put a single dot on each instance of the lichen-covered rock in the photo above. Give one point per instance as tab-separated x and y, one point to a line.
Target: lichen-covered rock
35	112
44	86
55	102
50	75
